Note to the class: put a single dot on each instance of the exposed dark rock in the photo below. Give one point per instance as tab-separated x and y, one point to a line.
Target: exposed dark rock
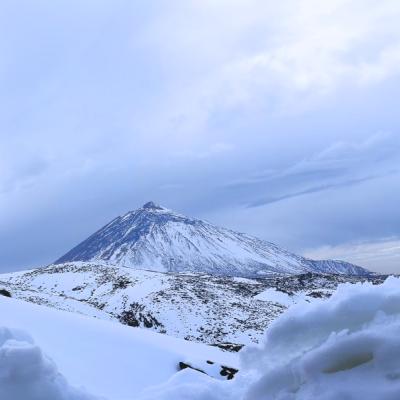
183	365
4	292
121	283
137	316
234	347
228	372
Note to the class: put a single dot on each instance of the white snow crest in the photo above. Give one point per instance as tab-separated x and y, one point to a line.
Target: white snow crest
28	374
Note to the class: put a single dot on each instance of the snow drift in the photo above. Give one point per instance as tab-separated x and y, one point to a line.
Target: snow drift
346	347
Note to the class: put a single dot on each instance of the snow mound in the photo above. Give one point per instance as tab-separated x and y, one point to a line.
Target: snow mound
28	374
346	347
110	360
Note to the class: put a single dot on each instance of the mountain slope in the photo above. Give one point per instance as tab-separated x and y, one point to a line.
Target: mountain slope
159	239
205	308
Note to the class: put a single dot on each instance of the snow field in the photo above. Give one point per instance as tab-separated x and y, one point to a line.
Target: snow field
108	359
346	347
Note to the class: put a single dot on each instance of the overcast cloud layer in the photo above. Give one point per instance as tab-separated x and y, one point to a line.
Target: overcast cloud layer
280	120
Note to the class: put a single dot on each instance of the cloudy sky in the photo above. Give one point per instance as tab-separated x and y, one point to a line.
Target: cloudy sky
279	119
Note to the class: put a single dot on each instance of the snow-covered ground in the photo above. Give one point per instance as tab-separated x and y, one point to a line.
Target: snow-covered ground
344	347
108	359
204	308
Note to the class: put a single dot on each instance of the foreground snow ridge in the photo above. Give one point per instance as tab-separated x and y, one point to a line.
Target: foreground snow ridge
346	347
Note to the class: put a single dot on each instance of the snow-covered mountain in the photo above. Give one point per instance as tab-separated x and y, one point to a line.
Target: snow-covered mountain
220	310
159	239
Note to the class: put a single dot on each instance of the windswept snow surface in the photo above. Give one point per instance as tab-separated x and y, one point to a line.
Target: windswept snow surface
346	347
158	239
108	359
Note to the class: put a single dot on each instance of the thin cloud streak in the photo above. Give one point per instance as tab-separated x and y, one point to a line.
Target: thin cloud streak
315	189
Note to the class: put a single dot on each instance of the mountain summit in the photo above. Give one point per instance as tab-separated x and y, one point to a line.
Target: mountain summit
158	239
152	206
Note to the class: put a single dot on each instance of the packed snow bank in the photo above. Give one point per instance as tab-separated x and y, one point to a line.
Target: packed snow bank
27	374
108	359
346	347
